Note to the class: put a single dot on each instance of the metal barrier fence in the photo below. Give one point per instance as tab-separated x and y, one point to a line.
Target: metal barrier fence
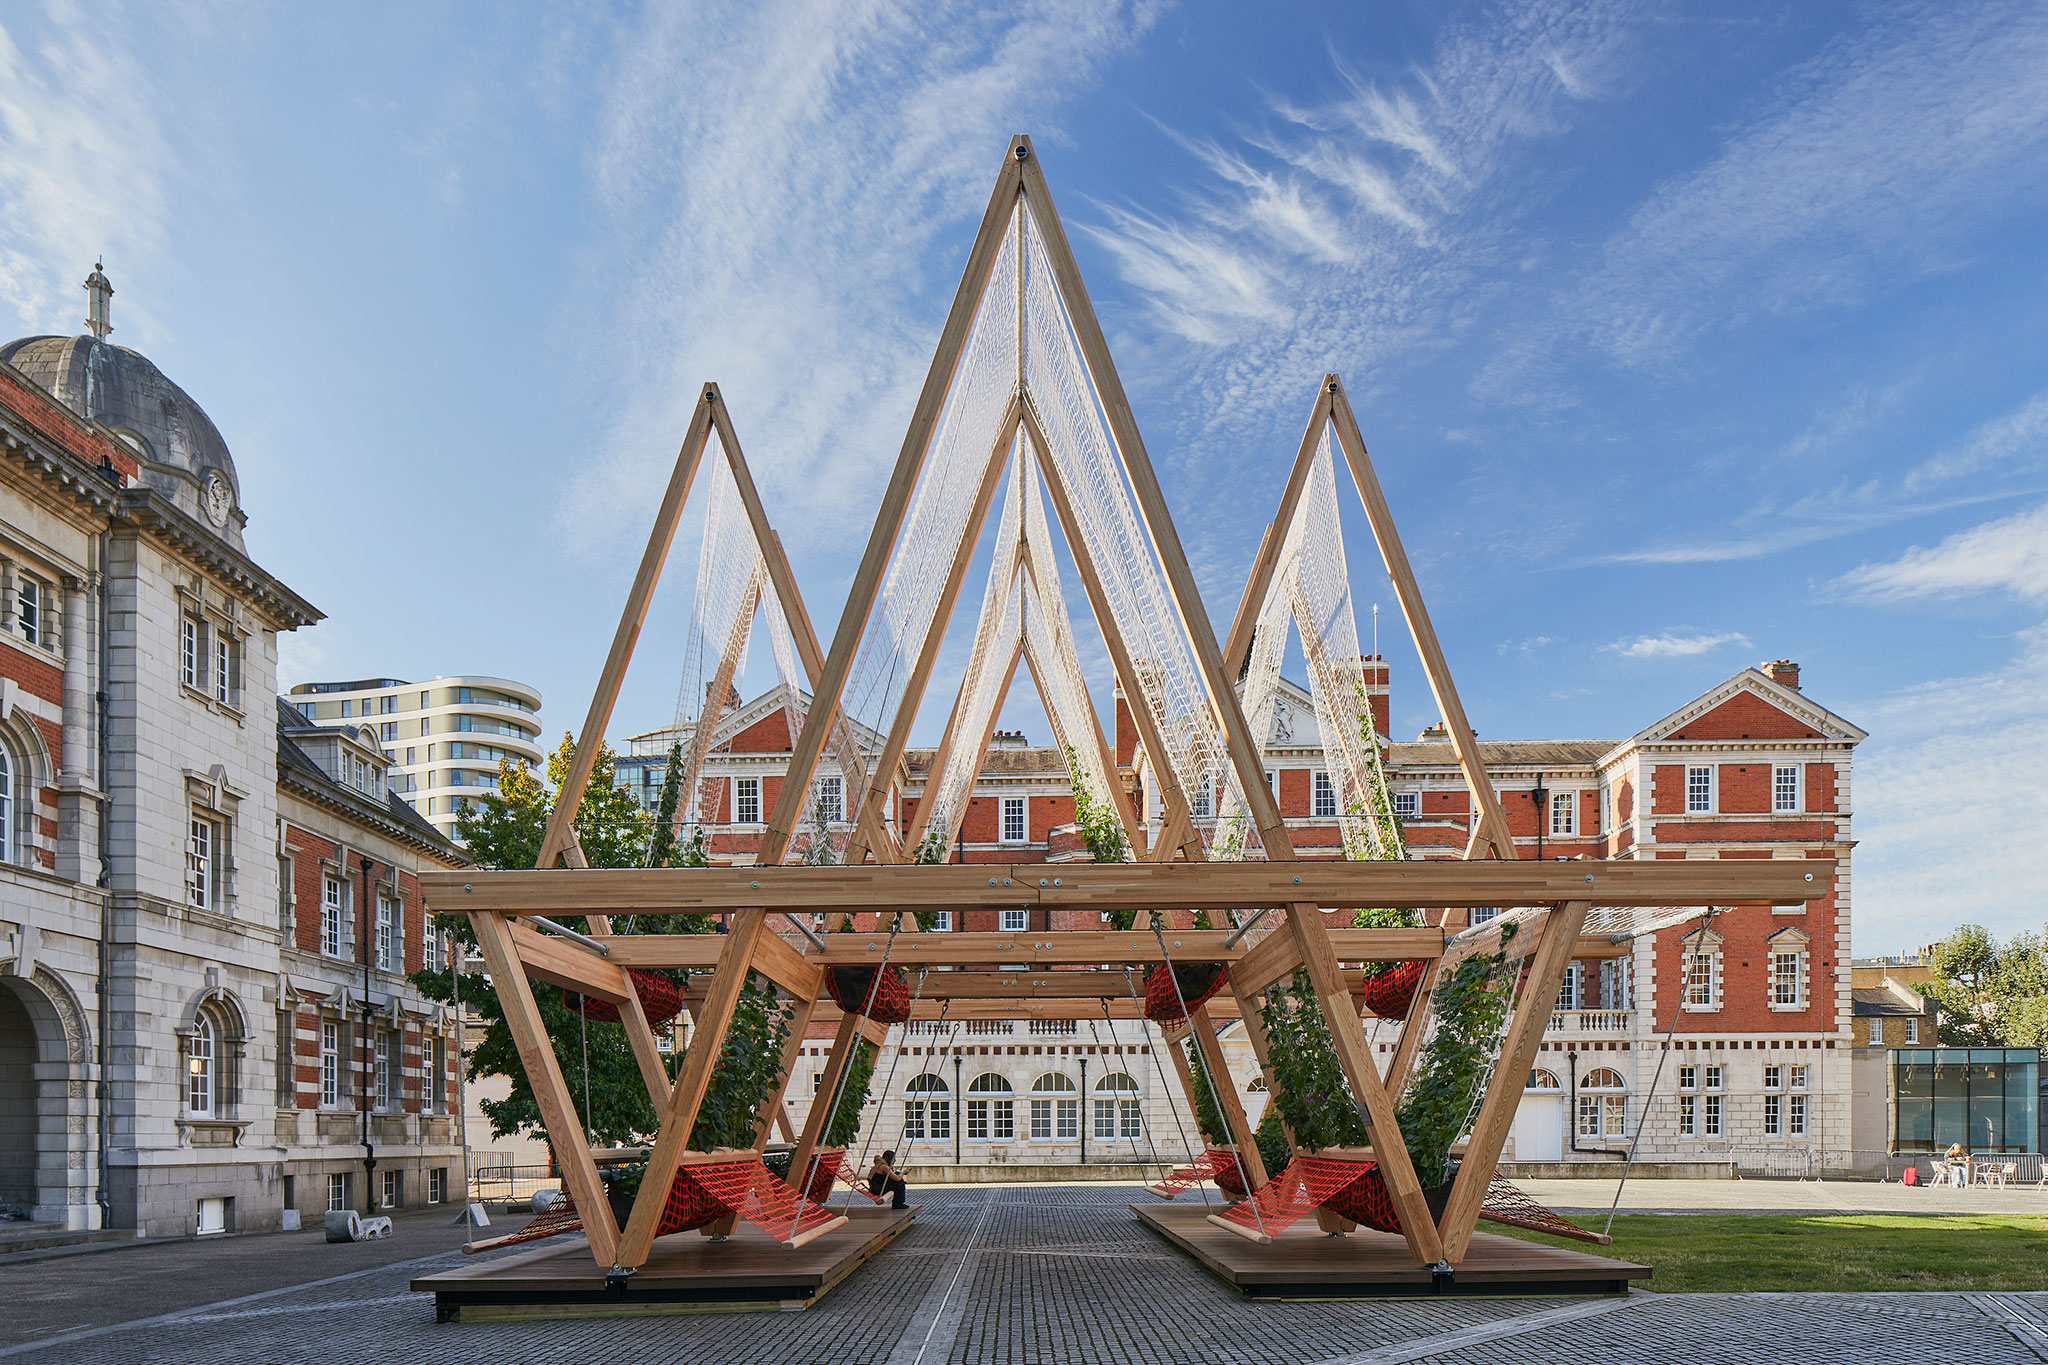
2024	1169
510	1184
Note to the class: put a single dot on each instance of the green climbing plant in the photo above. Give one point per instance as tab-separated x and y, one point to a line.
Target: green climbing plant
1471	1006
853	1097
1383	918
749	1067
1309	1088
1208	1116
930	851
1271	1139
1101	830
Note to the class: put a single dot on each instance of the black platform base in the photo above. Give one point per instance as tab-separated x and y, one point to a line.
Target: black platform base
686	1273
1304	1263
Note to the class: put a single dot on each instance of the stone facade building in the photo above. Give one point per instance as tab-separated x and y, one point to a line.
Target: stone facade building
142	927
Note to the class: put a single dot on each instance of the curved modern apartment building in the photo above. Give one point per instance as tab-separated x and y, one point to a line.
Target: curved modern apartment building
445	736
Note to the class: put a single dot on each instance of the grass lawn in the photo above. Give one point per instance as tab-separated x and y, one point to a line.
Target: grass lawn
1714	1252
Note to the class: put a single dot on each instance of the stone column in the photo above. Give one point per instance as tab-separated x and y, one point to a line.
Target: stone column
78	794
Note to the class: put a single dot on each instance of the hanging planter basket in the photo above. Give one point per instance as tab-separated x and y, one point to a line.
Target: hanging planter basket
661	998
1166	987
1227	1173
1389	993
856	991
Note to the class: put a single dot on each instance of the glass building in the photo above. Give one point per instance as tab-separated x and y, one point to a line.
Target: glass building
1986	1098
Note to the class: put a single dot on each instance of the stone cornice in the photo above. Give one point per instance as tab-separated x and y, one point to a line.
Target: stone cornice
151	511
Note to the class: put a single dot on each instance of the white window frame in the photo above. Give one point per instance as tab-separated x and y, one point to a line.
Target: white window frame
1688	1116
205	857
1795	1115
202	1062
330	1064
337	1193
829	797
942	921
1913	1031
746	800
1702	797
1021	807
1781	801
226	660
390	1189
192	651
32	609
1876	1036
1407	805
333	913
1324	799
1564	813
388	940
1702	968
1016	922
1710	1114
1774	1076
1569	991
383	1070
1688	1077
1055	1113
436	1063
437	1184
1774	1108
1797	982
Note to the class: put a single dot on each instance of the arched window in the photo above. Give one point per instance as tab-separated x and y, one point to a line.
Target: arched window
1255	1086
10	847
1604	1112
1055	1108
991	1112
201	1074
1119	1113
927	1110
1543	1080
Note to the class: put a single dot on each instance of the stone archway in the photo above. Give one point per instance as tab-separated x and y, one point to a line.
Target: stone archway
44	1153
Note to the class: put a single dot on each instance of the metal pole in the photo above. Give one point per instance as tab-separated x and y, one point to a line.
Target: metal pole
364	1094
960	1114
1084	1111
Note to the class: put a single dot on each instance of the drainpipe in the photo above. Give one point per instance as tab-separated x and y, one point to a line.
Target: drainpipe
365	1095
1084	1111
105	1198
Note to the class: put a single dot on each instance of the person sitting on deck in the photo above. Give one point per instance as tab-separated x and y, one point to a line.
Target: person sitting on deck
884	1177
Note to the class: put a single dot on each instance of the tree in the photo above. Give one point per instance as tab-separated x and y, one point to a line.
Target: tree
504	830
664	846
1987	993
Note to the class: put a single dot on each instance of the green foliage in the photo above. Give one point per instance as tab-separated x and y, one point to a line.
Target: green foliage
930	851
749	1067
1471	1005
1987	993
860	1075
1309	1088
1384	919
1208	1117
1271	1139
663	846
1101	830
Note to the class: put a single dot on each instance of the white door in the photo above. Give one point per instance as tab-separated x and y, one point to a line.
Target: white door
213	1216
1539	1126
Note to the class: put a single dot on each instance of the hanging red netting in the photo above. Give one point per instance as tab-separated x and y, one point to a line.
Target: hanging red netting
661	998
1168	986
856	990
688	1208
828	1167
1365	1201
1356	1190
1389	993
1218	1164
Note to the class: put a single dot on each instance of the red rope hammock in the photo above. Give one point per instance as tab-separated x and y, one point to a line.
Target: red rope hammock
701	1195
1356	1190
1198	981
1389	993
1218	1164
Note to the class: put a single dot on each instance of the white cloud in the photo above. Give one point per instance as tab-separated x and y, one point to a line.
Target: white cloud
2009	555
1923	865
83	164
1673	644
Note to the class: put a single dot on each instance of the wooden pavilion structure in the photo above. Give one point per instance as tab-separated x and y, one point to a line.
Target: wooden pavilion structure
1276	903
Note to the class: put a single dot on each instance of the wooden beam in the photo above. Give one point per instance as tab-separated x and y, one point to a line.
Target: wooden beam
1202	1029
1335	883
820	1115
1491	823
1276	955
1105	754
1559	931
563	962
860	600
569	798
1021	953
1239	642
792	1046
982	741
1412	1028
544	1077
775	959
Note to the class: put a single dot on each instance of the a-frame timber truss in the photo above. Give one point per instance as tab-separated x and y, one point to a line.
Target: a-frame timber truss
1044	972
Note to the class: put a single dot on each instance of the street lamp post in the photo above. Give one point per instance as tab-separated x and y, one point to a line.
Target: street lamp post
366	1093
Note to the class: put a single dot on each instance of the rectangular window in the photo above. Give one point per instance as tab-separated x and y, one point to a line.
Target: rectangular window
977	1120
387	934
437	1075
1068	1116
1326	797
746	801
830	794
387	705
1015	826
28	610
427	728
1785	788
309	709
1482	913
938	1120
388	1197
203	863
1877	1032
1795	1108
1568	991
1710	1125
1771	1108
384	1071
192	655
1786	978
1912	1032
345	708
330	1064
330	915
1798	1077
337	1193
437	1184
1774	1077
1407	805
1564	817
1688	1078
1198	800
388	732
1713	1077
1002	1120
1041	1119
1688	1117
1016	921
226	657
1700	976
1699	789
942	921
430	945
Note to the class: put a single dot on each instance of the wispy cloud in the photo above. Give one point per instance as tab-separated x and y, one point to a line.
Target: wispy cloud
1674	644
2009	556
83	163
797	163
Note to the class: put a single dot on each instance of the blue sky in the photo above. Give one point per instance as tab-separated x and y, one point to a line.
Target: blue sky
1684	337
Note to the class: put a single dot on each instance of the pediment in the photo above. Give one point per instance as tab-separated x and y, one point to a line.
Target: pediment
1750	706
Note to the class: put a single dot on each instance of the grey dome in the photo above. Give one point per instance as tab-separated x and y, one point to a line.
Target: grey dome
177	444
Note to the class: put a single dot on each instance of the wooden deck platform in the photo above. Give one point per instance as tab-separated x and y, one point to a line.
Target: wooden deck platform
687	1273
1303	1263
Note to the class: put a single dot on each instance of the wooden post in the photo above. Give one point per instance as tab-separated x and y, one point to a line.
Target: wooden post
1560	931
988	729
820	1115
1239	642
1242	1131
550	1091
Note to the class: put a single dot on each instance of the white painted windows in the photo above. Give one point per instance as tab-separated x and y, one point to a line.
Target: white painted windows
437	1075
1773	1115
1912	1032
1016	921
1407	805
31	602
991	1109
192	652
332	889
1785	793
205	855
1688	1103
1788	970
1325	797
437	1184
384	1069
830	795
430	945
1877	1031
337	1193
942	921
200	1059
927	1110
1702	958
1795	1103
389	1187
390	935
746	801
227	667
1568	990
1482	913
1699	790
1119	1111
1016	825
7	839
1710	1102
1199	805
1055	1108
330	1064
1603	1107
1564	813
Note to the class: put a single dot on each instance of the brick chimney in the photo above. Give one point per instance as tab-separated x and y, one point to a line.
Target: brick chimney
1376	692
1783	672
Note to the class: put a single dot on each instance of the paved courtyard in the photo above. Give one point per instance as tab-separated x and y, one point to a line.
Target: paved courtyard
1009	1276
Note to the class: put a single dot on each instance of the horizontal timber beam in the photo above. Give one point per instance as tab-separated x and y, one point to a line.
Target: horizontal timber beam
1067	947
1333	883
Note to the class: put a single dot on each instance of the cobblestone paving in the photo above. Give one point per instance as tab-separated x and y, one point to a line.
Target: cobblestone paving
1044	1276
